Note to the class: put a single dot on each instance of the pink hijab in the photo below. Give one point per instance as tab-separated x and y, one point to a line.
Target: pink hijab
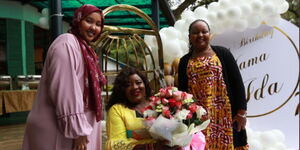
93	77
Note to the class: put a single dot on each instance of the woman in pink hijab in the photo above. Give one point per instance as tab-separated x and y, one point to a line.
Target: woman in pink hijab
67	108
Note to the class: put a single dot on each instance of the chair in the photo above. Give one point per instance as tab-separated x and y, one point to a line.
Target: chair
121	47
5	82
28	82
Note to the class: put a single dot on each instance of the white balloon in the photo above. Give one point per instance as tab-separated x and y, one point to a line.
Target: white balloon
265	1
255	144
278	2
279	134
271	148
272	20
227	24
224	3
186	14
149	60
45	12
268	138
240	25
149	64
221	15
184	46
234	12
172	49
238	2
185	37
254	21
150	40
163	37
217	29
256	5
179	25
280	146
248	125
186	27
246	9
200	12
268	9
163	30
249	133
211	16
172	33
44	21
189	20
213	6
283	7
257	134
213	29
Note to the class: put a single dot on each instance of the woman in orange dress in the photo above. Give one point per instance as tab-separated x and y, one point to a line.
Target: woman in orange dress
211	74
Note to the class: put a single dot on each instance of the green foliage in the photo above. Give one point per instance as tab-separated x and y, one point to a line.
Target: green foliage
129	52
292	14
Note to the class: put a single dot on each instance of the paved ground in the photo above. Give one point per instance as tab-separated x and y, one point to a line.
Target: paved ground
11	137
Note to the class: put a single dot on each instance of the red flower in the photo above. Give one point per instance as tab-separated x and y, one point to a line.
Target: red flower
172	102
164	101
146	108
189	116
193	108
166	113
178	104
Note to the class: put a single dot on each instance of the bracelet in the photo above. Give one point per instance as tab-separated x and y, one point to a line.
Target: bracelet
129	133
243	116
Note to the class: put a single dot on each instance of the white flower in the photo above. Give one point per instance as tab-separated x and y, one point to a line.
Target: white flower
181	115
200	112
192	129
149	113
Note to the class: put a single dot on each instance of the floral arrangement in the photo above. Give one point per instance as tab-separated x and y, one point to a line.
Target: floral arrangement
173	115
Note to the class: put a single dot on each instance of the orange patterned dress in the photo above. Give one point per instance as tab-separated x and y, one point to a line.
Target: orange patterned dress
208	87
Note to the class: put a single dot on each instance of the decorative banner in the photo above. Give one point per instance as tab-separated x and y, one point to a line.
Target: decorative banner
268	58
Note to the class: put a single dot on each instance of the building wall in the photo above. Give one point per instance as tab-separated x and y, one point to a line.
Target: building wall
16	10
17	32
14	47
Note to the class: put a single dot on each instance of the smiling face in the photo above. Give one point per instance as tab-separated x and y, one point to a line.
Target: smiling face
90	26
135	90
199	35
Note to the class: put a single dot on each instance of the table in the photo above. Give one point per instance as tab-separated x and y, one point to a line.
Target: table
22	100
16	100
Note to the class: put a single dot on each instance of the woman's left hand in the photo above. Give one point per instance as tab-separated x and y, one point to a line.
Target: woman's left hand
241	120
80	143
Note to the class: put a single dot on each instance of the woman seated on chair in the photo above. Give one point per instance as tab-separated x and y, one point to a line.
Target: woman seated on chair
124	124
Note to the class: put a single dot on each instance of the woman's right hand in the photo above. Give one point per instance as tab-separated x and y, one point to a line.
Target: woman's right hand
141	134
80	143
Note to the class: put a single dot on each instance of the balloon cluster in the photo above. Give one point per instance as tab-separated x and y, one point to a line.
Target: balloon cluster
171	73
44	20
265	140
223	15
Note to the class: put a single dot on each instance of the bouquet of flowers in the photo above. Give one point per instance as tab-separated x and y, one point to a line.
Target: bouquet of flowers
173	115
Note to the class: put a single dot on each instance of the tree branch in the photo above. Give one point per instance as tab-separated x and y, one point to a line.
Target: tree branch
177	12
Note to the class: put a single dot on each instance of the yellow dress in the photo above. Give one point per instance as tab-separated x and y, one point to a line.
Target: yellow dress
120	119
